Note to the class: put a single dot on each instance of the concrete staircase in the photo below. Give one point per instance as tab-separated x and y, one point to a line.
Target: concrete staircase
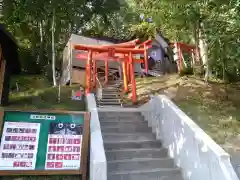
132	151
110	95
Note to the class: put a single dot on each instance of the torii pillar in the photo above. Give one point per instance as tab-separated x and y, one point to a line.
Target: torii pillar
94	73
125	74
134	93
88	72
145	59
106	72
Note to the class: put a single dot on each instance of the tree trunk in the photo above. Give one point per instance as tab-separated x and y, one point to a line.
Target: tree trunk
1	9
7	8
224	65
34	46
222	51
53	50
41	53
204	56
197	65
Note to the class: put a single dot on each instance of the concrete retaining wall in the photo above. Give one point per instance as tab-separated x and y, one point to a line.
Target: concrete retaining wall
98	163
192	149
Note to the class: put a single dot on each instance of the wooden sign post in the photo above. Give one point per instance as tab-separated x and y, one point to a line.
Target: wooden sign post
44	143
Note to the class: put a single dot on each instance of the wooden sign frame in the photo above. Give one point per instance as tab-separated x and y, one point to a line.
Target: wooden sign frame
2	72
84	149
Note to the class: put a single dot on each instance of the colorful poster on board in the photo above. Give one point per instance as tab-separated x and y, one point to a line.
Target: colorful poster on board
77	95
19	146
64	146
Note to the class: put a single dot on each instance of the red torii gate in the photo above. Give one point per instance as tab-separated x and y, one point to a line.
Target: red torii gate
179	46
117	52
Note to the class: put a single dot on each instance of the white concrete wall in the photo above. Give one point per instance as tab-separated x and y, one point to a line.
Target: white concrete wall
192	149
98	163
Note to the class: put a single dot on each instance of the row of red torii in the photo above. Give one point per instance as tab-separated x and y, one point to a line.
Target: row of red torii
125	53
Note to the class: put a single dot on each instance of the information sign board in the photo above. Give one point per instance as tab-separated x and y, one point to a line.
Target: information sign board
44	142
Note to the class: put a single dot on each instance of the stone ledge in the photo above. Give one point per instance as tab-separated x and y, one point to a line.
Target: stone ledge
192	149
98	162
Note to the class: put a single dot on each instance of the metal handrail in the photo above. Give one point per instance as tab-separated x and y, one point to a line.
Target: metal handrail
98	81
99	90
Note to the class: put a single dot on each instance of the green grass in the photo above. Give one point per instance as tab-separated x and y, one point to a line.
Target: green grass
220	120
214	106
35	92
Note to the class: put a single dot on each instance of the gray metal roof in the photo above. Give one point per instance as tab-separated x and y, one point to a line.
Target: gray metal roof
77	39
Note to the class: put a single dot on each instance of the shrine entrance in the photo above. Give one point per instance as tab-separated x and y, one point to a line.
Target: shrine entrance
126	54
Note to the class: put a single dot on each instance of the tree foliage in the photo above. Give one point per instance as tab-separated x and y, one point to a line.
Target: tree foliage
215	22
212	25
31	22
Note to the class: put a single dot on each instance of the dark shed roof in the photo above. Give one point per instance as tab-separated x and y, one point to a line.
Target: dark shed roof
10	49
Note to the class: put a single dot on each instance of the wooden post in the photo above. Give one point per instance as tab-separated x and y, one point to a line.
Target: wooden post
145	59
106	71
88	72
134	93
85	144
125	79
2	73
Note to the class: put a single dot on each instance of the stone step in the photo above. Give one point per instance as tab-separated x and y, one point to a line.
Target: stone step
120	114
125	127
110	90
128	137
140	164
115	94
102	105
130	123
113	145
114	83
136	153
110	96
114	86
109	106
122	119
153	174
110	100
111	93
108	103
